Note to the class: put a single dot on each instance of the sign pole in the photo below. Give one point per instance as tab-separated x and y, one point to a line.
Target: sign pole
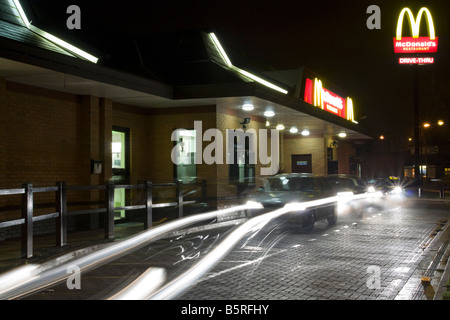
417	138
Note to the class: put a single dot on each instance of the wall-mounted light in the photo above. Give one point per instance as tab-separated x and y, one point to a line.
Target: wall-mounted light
245	122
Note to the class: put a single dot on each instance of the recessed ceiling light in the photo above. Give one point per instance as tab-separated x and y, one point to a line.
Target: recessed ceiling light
305	132
293	130
342	134
280	127
248	107
269	113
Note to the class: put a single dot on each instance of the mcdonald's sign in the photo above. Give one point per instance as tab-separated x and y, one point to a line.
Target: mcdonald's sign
318	96
415	44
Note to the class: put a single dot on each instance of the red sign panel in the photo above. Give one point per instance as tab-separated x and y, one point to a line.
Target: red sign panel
309	86
316	95
333	103
415	45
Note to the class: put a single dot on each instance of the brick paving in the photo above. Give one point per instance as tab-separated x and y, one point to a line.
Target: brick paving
329	263
282	263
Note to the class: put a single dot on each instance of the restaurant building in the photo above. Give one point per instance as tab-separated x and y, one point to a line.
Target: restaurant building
77	118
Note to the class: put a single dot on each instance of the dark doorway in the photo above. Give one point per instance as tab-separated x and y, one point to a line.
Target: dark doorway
332	167
301	163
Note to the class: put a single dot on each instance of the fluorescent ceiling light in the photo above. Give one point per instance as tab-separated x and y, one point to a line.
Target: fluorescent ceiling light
65	45
22	14
269	113
259	80
248	107
220	49
247	74
293	130
61	43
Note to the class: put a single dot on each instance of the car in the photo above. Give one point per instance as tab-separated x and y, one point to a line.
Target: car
345	187
301	189
343	183
390	185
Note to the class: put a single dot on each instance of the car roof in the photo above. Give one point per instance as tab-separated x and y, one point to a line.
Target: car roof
294	175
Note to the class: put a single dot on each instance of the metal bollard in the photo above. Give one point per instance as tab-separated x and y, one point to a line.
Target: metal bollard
109	223
148	205
27	226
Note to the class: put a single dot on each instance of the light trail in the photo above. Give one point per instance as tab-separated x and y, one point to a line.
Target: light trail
26	279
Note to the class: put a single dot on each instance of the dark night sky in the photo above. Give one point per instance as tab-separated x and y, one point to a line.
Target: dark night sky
329	37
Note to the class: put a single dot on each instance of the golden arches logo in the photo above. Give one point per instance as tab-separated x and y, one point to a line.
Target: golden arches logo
415	23
318	96
350	113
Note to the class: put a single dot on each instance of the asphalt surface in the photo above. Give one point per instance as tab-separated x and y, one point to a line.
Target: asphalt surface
382	255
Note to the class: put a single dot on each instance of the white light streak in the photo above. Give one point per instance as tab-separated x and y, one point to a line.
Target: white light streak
61	43
247	74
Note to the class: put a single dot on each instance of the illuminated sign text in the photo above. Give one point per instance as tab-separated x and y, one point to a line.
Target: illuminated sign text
412	45
416	60
327	100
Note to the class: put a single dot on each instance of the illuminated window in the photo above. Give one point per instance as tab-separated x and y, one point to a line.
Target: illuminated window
118	150
120	167
447	172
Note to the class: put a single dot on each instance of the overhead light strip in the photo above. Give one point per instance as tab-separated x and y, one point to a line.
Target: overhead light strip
22	14
222	52
247	74
259	80
61	43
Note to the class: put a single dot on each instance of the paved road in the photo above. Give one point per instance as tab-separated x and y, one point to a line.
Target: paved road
379	256
382	255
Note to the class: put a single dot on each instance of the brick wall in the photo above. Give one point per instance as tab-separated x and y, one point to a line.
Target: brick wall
305	145
231	119
48	136
161	124
42	143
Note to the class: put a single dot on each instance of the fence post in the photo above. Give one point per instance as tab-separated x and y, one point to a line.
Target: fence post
61	220
180	199
109	217
148	205
27	227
